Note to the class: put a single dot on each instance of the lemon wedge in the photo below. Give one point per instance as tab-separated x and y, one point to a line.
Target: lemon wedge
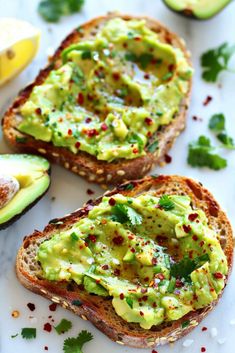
19	42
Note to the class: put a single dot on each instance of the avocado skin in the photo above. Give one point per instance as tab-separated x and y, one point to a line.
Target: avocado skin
29	206
188	13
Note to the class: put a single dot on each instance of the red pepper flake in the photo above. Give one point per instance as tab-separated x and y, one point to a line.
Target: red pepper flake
137	38
104	127
145	298
116	76
178	283
204	328
45	348
90	97
112	201
146	279
118	240
97	281
47	327
154	306
207	100
116	272
201	243
148	121
161	276
167	158
144	290
70	132
141	313
77	144
154	261
203	349
153	351
90	192
92	133
105	267
196	118
194	237
135	150
186	228
52	307
92	238
121	296
218	275
132	250
80	98
146	76
192	217
38	111
88	120
31	306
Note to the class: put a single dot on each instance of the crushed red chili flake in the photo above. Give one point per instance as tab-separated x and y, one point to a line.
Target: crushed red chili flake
194	237
141	313
154	261
92	238
90	192
121	296
187	228
137	38
167	158
148	121
116	76
207	100
105	267
112	201
135	150
178	283
92	133
144	290
203	349
38	111
153	351
192	216
45	348
80	98
104	127
132	250
146	76
31	306
145	298
202	243
196	118
146	279
88	120
218	275
118	240
204	328
77	144
47	327
52	307
70	132
116	272
160	276
154	305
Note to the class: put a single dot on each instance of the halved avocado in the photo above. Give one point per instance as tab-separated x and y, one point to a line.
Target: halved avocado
23	181
199	9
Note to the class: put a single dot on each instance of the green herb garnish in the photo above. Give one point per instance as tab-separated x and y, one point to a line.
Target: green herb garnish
53	10
28	333
217	124
76	302
166	203
171	285
202	154
75	345
129	302
123	214
21	139
74	236
185	323
64	326
216	60
186	266
152	147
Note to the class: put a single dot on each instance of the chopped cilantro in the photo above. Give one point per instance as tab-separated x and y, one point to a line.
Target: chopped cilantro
226	140
185	323
153	146
137	139
74	236
123	213
76	302
52	10
166	203
21	139
167	76
129	187
217	124
145	59
171	285
129	302
75	345
28	333
63	326
186	266
14	336
216	60
131	57
202	154
86	54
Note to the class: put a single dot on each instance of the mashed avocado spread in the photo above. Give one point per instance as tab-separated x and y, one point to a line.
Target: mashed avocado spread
112	92
156	257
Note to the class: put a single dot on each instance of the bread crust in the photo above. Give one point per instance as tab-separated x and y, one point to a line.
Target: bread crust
99	310
82	163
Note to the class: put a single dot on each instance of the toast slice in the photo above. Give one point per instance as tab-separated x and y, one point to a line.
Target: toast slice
82	163
99	310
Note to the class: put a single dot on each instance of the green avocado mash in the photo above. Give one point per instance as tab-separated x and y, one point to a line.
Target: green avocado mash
157	258
113	91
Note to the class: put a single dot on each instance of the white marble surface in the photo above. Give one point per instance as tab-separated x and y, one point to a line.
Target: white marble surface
70	191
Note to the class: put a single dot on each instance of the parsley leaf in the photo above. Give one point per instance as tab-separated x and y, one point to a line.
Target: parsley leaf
216	60
186	266
63	326
166	203
28	333
52	10
202	154
75	345
123	213
217	124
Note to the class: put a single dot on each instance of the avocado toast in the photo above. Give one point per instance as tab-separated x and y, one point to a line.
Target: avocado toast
110	103
167	263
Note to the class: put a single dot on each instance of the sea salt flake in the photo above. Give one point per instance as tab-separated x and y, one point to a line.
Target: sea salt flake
222	340
187	343
214	332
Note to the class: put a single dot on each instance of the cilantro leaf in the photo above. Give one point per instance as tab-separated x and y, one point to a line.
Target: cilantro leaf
202	154
153	146
28	333
217	122
145	59
129	302
226	140
138	140
63	326
166	203
185	323
186	266
216	60
75	345
123	213
52	10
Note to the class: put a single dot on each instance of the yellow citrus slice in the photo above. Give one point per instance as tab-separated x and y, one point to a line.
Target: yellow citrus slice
19	42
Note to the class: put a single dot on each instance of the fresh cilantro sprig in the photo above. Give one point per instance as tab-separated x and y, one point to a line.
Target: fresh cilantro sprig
124	213
186	266
217	124
166	203
215	61
64	326
202	154
28	333
75	345
53	10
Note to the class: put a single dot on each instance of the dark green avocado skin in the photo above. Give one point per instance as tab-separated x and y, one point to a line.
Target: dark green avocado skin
46	172
189	13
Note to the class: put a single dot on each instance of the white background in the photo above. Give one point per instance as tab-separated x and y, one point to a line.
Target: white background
70	190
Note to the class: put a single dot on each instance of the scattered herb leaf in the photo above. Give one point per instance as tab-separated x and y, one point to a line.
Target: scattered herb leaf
75	345
186	266
129	302
217	124
63	326
28	333
123	213
76	302
52	10
14	336
153	146
185	323
21	139
166	203
226	140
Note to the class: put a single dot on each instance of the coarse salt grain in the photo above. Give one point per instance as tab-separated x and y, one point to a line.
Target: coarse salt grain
33	320
187	343
222	340
214	332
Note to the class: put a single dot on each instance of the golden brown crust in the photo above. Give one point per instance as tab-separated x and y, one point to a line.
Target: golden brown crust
82	163
99	310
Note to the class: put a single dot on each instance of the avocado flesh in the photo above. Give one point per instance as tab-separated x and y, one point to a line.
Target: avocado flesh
201	9
32	174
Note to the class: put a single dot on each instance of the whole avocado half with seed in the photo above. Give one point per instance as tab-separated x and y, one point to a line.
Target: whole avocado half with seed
24	179
197	9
